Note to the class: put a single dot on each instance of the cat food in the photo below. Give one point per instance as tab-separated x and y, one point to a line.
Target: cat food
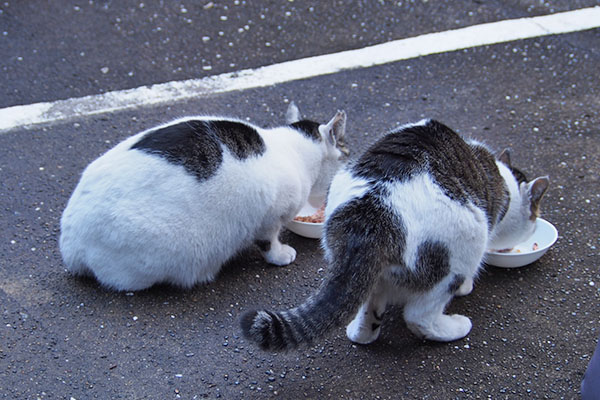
535	247
512	250
317	218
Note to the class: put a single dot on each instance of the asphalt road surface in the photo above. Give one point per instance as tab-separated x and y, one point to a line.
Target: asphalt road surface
534	328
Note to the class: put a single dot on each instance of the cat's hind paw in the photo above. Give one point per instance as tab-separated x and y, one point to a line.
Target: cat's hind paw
449	328
281	255
359	333
466	288
441	328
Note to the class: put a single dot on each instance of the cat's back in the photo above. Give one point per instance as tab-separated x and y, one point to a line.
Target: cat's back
427	146
425	176
191	151
168	171
465	171
200	144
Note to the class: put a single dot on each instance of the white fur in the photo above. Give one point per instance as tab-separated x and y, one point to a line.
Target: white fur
293	114
516	226
429	215
135	219
344	188
403	127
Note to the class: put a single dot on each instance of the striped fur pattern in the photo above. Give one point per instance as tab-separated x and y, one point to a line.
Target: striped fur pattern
407	223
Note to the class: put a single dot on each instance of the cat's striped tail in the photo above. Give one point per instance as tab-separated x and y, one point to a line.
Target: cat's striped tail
334	304
356	264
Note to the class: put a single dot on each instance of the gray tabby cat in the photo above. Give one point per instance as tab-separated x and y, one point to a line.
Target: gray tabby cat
408	223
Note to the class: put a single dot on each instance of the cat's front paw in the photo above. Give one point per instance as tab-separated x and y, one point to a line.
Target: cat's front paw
281	255
358	332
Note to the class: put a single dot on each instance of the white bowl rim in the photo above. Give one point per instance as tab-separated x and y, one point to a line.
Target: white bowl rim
307	223
539	250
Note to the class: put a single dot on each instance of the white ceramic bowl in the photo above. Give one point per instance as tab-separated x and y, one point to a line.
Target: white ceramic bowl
523	254
307	229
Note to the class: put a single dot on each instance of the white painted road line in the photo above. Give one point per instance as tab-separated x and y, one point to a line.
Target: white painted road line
403	49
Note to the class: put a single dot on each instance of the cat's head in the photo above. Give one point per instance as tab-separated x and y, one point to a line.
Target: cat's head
518	222
330	137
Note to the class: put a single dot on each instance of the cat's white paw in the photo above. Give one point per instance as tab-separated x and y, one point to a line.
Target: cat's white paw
443	328
449	328
281	255
358	331
465	288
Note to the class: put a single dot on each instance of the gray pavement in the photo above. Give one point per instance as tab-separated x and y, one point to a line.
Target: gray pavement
534	328
64	48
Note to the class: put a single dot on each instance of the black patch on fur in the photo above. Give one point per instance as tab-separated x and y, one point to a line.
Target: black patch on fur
197	145
310	129
518	174
362	232
365	225
458	280
465	172
431	266
374	326
242	140
392	157
263	245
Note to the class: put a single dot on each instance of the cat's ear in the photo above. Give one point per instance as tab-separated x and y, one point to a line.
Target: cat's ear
335	129
504	157
536	190
292	114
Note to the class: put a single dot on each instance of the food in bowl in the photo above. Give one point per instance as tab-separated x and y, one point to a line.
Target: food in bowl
317	218
525	253
534	247
309	221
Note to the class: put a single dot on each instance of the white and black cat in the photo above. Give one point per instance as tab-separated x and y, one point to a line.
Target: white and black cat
173	203
408	223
